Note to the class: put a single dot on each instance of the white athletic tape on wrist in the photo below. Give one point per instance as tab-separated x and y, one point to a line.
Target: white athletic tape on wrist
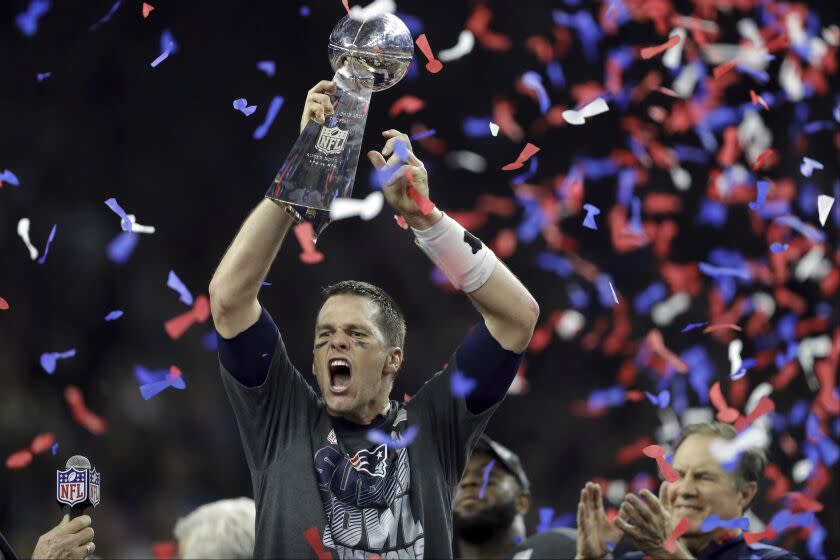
461	256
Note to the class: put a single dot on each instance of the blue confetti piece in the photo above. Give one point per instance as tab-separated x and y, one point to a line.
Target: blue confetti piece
626	184
555	263
808	165
271	114
476	127
691	154
714	521
424	134
43	257
532	169
761	195
554	70
650	296
485	478
606	398
305	11
546	515
149	390
662	400
265	283
120	248
720	271
610	546
8	177
125	223
48	359
241	105
107	17
114	315
692	326
534	81
401	149
268	67
403	440
532	222
817	126
54	448
815	541
41	76
27	21
777	247
578	297
461	385
806	230
758	75
589	219
168	46
517	539
210	342
175	283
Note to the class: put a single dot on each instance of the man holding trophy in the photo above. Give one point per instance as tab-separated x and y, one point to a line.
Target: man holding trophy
352	473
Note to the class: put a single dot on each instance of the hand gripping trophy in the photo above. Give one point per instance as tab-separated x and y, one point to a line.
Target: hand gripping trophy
367	55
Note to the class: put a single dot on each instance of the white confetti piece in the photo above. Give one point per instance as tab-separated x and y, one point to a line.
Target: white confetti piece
367	208
494	128
23	232
465	44
579	117
824	204
671	58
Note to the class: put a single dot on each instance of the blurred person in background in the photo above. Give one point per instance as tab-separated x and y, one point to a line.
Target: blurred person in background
319	479
490	507
221	529
704	489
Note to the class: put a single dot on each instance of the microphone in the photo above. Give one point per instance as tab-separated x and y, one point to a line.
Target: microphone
77	486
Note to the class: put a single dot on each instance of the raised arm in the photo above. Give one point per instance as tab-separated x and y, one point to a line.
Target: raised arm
509	310
237	280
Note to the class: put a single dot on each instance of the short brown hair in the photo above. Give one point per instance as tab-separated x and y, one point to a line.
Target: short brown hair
390	319
753	461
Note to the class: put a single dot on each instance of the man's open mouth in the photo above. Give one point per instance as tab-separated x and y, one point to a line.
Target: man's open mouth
340	370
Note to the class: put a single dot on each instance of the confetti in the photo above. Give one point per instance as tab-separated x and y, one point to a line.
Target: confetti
720	271
578	117
656	452
461	385
304	234
107	17
41	443
27	21
650	52
408	104
761	195
311	535
23	233
268	67
464	46
47	247
48	359
241	105
528	151
758	100
19	459
4	305
662	400
728	451
434	66
426	206
485	478
176	284
366	209
752	538
589	219
81	414
670	543
147	9
270	115
178	325
494	128
402	440
167	46
824	204
173	378
114	315
54	448
9	177
534	81
808	165
725	412
41	76
122	246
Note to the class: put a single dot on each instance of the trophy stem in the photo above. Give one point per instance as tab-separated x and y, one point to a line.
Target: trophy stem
322	163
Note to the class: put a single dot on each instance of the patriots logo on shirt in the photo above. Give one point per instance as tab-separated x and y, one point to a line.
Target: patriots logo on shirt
371	462
331	437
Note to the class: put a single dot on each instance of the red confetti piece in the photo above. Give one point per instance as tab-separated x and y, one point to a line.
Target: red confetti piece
165	550
304	234
780	483
723	69
314	539
757	100
426	206
147	9
19	459
524	156
725	412
752	538
711	328
406	398
84	417
633	451
668	92
401	221
767	158
800	502
656	452
199	313
346	5
41	443
764	406
657	344
4	305
670	543
650	52
505	243
406	104
433	65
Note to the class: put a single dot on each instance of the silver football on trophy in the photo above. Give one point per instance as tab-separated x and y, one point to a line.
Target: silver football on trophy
383	43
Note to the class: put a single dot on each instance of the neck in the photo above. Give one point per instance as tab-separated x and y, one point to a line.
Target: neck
494	547
698	542
366	418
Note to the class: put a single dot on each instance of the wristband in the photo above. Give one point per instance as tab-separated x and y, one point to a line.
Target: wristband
461	256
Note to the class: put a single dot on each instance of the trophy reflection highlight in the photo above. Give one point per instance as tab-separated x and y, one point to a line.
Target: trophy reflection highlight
367	55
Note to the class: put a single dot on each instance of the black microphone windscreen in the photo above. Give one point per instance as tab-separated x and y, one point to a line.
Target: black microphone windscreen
78	461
